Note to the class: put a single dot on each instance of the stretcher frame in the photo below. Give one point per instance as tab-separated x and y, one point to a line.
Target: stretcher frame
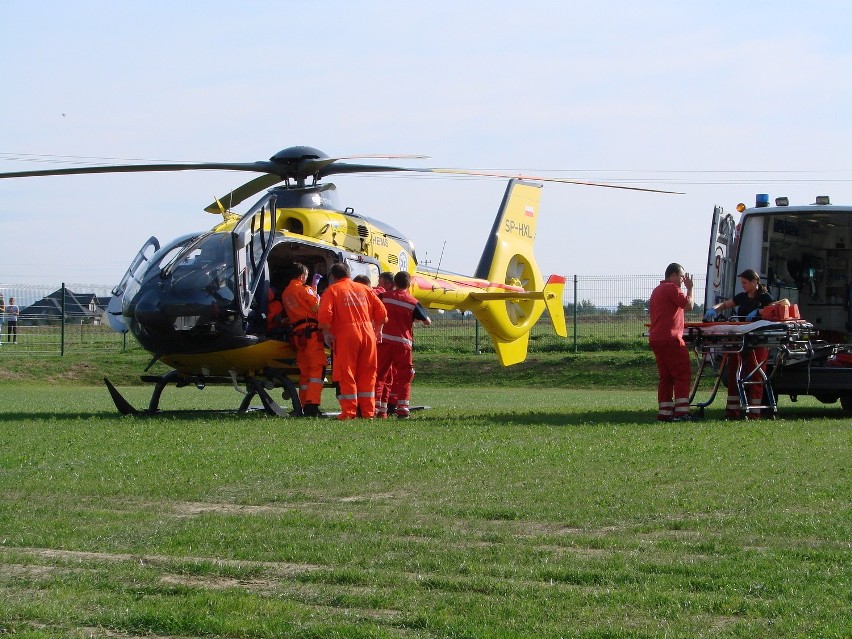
719	341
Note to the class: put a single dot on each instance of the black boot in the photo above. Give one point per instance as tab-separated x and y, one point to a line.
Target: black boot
310	410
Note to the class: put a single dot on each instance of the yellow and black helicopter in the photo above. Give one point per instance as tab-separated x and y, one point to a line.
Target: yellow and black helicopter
197	303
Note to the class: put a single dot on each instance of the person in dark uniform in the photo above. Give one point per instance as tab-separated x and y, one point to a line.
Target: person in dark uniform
748	304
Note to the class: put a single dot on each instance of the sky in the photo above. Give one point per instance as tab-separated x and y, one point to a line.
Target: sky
720	100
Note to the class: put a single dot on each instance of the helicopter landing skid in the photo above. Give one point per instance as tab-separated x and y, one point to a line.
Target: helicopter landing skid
255	387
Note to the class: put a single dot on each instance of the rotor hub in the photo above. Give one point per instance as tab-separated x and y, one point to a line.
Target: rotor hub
294	154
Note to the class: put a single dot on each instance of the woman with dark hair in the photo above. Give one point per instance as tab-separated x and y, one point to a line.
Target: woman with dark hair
747	304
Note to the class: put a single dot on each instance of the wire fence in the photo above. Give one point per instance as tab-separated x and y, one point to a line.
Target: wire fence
602	313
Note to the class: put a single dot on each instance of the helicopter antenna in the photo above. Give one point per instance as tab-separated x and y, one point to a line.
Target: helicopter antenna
221	207
440	259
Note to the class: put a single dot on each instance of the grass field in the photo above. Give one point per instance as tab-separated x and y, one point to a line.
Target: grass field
501	512
617	369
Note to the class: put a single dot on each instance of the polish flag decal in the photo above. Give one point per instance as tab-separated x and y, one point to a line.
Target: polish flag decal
529	211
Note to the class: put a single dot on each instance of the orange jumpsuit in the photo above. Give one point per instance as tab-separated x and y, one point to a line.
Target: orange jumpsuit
666	340
273	310
349	311
396	369
301	304
385	396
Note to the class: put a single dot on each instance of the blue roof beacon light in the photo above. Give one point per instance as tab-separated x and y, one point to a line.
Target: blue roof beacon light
761	200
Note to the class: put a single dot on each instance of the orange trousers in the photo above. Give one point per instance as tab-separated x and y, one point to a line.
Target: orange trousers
384	381
354	369
754	391
674	368
310	356
396	370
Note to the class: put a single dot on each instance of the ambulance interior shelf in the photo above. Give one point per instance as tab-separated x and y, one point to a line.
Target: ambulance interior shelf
807	260
819	277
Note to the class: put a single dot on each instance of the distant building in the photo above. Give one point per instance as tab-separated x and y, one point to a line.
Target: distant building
78	307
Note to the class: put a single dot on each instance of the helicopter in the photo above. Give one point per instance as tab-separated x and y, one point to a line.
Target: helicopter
197	303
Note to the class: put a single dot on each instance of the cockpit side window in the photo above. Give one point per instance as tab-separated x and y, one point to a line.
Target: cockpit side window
206	266
253	238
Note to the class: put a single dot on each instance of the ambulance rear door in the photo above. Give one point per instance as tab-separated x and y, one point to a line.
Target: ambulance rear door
721	258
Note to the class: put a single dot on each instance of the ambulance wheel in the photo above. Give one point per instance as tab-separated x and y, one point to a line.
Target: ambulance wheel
846	403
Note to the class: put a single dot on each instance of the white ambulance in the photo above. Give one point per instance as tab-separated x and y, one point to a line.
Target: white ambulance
803	253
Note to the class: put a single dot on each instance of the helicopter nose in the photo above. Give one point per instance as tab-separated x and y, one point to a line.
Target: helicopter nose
148	312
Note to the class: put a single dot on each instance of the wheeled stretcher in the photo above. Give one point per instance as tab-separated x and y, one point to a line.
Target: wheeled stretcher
717	343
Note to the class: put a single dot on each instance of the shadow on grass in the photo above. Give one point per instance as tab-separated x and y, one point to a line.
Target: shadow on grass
112	416
648	418
574	418
577	418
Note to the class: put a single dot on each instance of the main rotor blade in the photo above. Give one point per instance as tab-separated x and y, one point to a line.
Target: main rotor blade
381	156
319	168
340	167
547	179
243	192
252	167
282	166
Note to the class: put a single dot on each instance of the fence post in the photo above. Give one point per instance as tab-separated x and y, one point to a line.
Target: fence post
476	348
575	313
62	324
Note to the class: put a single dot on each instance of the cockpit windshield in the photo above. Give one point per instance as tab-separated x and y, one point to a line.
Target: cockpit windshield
206	265
164	256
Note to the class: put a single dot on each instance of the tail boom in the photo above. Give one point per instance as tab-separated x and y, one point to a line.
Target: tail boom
507	294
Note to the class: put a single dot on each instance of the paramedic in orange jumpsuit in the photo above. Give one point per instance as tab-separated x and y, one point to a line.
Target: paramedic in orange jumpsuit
666	306
350	315
387	400
276	318
301	303
396	367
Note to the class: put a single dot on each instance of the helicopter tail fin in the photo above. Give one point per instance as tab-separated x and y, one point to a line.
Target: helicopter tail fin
508	261
553	300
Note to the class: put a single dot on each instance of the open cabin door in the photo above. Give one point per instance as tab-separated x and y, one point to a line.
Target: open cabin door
129	284
253	237
720	260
